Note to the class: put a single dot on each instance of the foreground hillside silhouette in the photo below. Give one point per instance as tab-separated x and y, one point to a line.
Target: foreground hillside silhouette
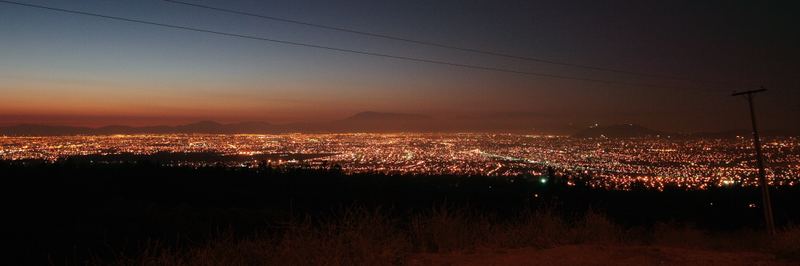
76	212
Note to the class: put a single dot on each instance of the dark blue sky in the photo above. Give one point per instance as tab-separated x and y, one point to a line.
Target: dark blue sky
65	68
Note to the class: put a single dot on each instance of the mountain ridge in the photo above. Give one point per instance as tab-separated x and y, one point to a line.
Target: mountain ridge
618	131
374	122
368	121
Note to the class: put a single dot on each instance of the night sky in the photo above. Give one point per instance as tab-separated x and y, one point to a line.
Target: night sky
58	68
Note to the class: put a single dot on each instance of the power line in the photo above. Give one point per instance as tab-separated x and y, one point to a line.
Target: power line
398	57
448	46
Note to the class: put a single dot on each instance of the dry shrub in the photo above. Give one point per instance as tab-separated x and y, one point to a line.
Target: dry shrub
227	250
544	228
596	228
786	243
671	234
532	229
675	235
447	229
223	250
357	237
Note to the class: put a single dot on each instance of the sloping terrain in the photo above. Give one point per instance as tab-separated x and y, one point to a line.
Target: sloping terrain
598	255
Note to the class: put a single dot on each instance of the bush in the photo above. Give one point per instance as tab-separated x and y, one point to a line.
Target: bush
787	243
361	236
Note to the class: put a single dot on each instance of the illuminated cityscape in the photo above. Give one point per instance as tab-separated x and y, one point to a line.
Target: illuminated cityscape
656	163
232	132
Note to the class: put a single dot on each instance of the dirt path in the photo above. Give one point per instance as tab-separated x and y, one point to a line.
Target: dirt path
598	255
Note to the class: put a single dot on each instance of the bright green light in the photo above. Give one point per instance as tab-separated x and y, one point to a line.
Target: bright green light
543	180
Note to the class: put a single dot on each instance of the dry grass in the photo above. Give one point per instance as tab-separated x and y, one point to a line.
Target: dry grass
784	245
787	243
445	229
360	236
355	237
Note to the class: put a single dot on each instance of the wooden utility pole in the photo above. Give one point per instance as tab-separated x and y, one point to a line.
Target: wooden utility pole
762	174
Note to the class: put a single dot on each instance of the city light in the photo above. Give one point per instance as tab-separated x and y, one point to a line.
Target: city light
623	164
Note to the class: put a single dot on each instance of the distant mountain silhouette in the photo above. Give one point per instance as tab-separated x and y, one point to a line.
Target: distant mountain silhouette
515	122
252	127
618	131
43	130
360	122
208	127
117	129
384	122
378	116
377	122
202	126
745	133
722	134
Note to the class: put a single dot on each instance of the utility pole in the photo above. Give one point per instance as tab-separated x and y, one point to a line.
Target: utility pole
762	175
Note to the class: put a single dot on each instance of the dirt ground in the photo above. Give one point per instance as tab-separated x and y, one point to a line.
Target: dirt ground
599	255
